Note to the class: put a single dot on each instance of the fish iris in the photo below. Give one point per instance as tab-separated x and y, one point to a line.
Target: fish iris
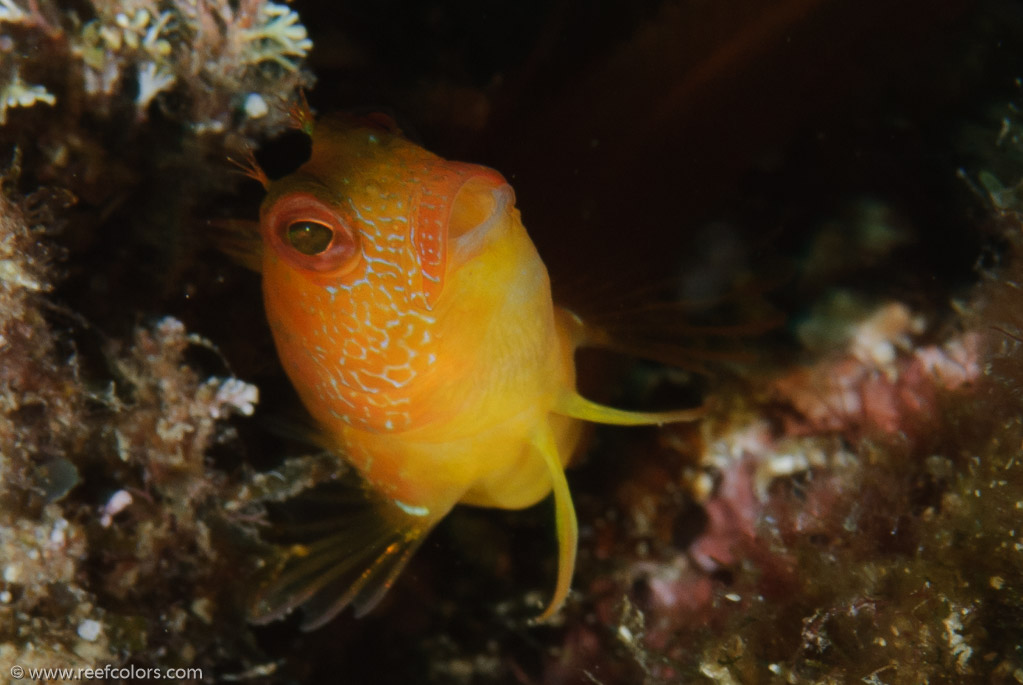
309	237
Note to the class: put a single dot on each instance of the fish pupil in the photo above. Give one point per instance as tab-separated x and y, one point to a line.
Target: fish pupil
309	237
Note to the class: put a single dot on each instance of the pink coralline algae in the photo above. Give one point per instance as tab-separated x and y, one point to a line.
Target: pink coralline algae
875	386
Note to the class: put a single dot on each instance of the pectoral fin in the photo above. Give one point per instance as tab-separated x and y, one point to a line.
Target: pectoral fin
572	404
350	558
564	516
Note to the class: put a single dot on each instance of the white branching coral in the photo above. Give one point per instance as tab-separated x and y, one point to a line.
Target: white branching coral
153	79
210	51
108	42
277	37
232	394
17	93
137	31
10	12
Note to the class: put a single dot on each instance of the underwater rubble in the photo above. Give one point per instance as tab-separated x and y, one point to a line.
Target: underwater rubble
848	510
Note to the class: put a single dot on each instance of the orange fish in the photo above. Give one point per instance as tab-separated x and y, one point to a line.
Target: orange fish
414	317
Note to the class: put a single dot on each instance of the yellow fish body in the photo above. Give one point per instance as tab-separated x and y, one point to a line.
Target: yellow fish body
414	317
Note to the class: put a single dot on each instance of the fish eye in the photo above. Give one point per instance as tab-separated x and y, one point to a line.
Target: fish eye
309	237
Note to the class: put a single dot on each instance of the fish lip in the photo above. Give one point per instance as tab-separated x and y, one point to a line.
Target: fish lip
472	241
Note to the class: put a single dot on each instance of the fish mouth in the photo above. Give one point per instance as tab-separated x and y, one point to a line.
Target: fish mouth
479	209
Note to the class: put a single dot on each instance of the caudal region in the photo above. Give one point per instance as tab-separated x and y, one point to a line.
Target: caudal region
414	317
